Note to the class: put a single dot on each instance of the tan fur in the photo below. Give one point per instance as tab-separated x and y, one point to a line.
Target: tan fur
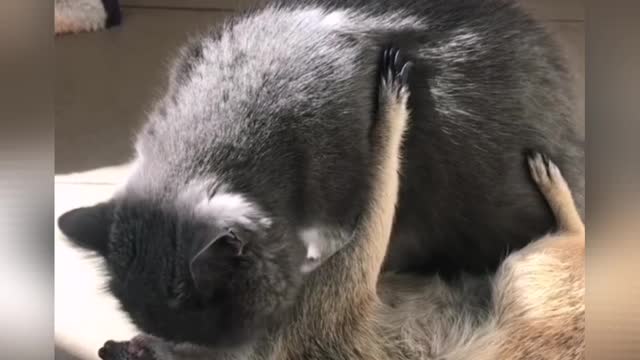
539	291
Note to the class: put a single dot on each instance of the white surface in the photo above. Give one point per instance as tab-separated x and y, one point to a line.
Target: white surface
85	314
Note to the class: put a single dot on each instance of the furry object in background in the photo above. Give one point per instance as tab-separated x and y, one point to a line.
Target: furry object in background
74	16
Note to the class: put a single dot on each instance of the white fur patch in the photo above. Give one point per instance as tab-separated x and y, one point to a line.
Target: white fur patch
224	208
227	207
313	242
232	208
321	243
334	18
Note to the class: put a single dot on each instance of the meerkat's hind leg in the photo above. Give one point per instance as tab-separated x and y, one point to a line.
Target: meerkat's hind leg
538	292
554	187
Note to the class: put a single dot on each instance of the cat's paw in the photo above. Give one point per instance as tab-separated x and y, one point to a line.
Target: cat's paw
114	350
141	347
394	72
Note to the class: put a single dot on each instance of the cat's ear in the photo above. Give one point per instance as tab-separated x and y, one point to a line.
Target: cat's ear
88	227
212	260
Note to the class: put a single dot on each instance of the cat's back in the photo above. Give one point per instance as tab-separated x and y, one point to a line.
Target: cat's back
287	92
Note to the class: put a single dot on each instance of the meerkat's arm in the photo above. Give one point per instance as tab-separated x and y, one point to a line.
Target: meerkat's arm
538	293
336	314
351	275
374	230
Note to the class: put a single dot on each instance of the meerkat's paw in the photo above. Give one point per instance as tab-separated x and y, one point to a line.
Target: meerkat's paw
394	73
393	112
545	173
556	190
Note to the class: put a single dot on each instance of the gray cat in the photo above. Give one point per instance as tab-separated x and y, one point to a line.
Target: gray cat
255	166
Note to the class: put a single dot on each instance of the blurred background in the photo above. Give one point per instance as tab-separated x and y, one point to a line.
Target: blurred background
98	86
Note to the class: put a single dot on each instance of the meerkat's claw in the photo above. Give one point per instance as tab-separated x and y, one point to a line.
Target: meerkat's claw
555	189
395	71
539	166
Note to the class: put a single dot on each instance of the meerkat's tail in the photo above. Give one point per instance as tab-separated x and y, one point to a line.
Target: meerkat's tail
556	190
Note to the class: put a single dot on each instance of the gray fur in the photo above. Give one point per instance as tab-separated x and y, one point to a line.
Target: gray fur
535	305
277	108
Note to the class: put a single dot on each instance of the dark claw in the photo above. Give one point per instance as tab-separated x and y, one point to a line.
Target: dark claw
396	59
546	161
390	57
385	57
532	155
404	73
395	70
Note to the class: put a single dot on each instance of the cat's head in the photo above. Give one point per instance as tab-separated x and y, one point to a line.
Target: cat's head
205	268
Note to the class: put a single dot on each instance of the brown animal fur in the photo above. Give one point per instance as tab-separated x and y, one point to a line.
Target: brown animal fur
539	310
532	309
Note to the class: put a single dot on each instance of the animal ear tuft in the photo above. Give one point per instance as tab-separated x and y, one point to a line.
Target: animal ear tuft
88	227
210	265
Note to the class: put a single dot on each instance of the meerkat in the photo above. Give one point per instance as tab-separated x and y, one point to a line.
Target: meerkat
349	309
